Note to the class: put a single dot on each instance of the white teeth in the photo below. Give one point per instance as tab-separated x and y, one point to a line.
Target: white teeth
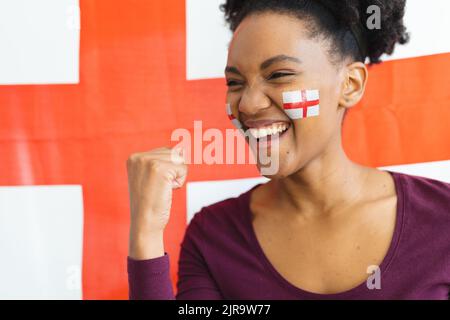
259	133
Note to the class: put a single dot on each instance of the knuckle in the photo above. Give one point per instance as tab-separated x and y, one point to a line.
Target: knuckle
155	166
141	160
132	159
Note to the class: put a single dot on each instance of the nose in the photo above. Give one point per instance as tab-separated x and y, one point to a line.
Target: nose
253	100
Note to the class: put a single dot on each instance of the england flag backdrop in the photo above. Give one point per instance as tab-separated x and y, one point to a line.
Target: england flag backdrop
85	83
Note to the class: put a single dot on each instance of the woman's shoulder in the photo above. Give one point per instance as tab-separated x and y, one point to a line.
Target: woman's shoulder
425	188
425	195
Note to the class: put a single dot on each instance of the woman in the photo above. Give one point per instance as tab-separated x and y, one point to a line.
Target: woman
324	227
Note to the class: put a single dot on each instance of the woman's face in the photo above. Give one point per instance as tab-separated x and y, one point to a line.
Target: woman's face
256	85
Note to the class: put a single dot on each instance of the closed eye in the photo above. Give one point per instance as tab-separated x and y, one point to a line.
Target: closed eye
277	75
232	83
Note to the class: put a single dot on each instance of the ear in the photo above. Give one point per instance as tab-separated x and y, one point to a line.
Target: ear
354	84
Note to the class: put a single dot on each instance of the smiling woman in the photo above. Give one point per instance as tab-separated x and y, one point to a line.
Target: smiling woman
323	224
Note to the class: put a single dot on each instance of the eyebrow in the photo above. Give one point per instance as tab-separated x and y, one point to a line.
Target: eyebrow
279	58
232	70
266	64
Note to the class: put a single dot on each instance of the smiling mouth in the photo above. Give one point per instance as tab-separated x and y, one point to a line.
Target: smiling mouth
269	131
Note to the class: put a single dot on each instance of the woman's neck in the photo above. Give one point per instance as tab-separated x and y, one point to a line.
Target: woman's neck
324	186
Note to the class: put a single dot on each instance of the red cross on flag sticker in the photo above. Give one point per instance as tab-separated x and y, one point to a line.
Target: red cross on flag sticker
233	119
301	104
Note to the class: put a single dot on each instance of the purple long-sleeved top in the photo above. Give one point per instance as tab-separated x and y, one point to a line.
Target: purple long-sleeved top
221	258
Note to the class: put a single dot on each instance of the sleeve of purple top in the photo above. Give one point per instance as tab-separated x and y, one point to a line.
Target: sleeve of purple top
150	279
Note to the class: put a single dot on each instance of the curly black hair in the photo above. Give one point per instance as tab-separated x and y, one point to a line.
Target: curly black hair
344	22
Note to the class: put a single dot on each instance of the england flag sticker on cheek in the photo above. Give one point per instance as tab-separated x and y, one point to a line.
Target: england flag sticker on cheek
233	119
301	104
